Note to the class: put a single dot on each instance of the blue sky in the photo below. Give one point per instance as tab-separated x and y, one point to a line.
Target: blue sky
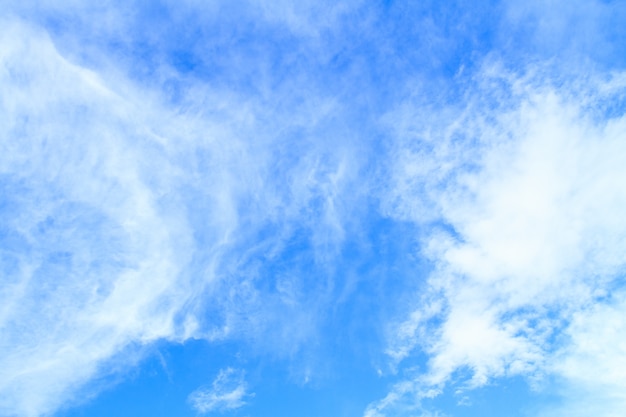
275	208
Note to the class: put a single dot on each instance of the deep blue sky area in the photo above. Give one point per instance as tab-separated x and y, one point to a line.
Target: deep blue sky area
279	208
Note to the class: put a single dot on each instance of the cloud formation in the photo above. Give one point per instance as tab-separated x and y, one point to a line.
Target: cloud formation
281	175
227	392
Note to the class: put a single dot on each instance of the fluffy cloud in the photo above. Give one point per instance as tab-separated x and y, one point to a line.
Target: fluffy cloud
590	366
529	234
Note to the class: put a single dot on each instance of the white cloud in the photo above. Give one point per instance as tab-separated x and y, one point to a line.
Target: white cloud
227	392
533	193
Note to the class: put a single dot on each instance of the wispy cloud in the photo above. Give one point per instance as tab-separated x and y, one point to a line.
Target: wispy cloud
91	246
127	220
227	392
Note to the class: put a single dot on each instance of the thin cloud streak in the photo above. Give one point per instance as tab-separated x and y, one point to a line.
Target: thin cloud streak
128	221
